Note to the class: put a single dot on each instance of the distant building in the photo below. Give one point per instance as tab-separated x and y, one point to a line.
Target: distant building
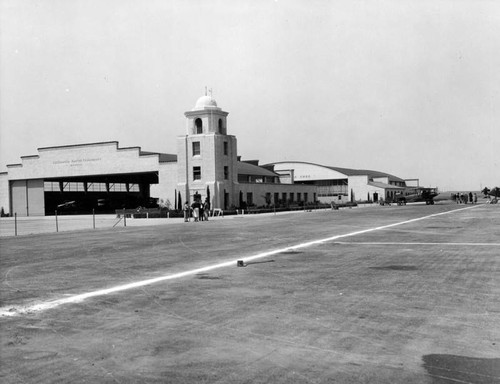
103	177
341	184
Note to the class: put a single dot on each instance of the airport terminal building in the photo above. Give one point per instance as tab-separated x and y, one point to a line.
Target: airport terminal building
104	177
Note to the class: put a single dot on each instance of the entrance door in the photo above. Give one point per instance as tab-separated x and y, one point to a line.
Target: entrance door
375	197
226	200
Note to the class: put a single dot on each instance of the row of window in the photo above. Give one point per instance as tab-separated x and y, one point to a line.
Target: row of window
248	179
197	148
332	190
285	198
326	183
70	186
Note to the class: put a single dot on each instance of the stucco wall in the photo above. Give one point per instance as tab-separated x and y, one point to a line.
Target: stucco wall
167	183
4	192
92	159
308	172
212	161
358	187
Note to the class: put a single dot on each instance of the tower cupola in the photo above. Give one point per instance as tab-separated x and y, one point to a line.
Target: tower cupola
206	117
205	102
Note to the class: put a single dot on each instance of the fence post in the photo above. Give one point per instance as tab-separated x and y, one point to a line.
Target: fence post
93	217
124	218
15	223
57	224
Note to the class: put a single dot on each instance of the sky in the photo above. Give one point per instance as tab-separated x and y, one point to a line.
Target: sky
411	88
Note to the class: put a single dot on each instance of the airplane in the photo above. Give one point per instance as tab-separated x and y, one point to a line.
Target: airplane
420	194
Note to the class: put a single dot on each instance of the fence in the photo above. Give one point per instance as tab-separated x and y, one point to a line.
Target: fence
17	226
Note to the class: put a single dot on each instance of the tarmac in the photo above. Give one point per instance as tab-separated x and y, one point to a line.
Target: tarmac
374	295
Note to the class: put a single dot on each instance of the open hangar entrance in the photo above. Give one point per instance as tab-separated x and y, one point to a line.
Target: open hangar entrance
100	194
83	194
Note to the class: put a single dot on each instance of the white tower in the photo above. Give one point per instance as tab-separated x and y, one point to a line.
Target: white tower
207	156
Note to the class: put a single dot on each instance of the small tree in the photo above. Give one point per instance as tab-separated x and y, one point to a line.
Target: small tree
267	198
485	191
495	192
165	204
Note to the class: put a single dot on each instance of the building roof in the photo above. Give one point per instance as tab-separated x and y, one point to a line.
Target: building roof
384	185
368	172
205	102
245	168
163	157
349	171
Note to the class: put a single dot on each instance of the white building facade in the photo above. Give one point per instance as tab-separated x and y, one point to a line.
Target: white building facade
341	185
102	177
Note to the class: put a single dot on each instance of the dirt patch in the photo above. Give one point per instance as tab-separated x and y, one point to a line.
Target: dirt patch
206	276
451	368
397	268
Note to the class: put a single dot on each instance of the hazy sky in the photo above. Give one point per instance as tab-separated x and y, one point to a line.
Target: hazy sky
411	88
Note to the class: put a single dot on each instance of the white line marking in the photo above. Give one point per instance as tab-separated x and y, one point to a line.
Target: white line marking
13	311
416	243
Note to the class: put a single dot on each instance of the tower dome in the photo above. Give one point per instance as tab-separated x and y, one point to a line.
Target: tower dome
205	102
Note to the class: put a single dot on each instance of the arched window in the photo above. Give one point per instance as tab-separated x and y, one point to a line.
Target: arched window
199	126
220	125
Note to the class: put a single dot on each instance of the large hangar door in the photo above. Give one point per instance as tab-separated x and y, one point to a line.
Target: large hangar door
18	191
36	198
28	197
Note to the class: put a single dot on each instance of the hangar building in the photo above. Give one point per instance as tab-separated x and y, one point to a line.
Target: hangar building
341	184
104	177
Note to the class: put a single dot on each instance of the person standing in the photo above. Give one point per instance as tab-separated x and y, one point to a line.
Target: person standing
202	215
470	198
475	198
206	209
187	212
196	210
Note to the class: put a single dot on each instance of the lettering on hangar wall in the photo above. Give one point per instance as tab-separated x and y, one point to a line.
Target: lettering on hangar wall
76	162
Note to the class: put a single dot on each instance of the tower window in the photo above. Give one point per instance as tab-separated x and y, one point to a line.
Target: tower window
199	126
220	125
196	148
226	150
196	173
226	172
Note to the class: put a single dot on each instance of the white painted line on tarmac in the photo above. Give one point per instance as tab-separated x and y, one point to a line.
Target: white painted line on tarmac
418	243
19	310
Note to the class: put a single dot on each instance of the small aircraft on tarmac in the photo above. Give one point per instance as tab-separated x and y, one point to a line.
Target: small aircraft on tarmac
420	194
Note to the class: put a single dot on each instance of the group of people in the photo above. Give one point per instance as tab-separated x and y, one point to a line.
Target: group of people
464	198
200	210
